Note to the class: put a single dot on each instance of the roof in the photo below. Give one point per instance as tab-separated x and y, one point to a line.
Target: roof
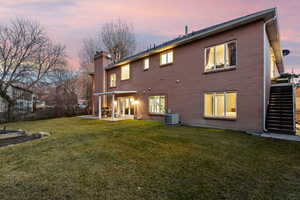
196	35
20	88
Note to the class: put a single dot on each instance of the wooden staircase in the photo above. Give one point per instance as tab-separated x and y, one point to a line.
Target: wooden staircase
280	114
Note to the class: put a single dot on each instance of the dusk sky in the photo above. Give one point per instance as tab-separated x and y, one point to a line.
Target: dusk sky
69	21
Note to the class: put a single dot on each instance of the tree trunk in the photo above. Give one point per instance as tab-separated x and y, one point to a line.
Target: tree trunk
9	112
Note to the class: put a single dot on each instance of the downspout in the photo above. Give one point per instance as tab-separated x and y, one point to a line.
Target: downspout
104	83
105	78
264	79
264	75
294	108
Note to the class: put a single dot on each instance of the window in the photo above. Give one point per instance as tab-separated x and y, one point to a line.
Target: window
220	105
146	64
125	72
220	56
166	57
113	81
157	104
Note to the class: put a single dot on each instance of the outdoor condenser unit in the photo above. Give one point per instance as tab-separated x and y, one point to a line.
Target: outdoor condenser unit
172	119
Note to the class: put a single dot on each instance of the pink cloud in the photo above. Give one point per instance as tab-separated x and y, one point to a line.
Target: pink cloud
68	21
291	35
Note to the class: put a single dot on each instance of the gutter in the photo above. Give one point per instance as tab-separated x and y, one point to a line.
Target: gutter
264	83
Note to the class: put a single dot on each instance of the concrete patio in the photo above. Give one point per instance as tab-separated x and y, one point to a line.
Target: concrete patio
115	119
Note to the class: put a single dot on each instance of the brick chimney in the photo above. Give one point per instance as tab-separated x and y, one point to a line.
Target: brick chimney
101	60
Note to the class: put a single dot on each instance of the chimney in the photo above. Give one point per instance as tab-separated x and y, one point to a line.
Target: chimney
101	60
186	29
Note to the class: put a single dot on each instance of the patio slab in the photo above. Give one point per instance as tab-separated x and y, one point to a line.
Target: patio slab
88	117
281	136
105	118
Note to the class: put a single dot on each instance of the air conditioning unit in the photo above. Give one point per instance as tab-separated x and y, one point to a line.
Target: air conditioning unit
172	119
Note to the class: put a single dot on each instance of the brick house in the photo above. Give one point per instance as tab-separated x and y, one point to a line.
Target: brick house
220	76
24	101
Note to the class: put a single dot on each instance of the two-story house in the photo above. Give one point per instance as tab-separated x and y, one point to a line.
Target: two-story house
24	101
219	77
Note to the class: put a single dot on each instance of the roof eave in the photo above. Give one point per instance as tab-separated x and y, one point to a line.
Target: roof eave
272	30
263	15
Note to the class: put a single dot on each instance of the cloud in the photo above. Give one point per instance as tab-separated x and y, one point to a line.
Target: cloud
68	21
38	5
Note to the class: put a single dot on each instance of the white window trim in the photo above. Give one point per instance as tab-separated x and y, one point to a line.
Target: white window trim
122	79
157	113
115	80
225	54
213	109
146	68
166	53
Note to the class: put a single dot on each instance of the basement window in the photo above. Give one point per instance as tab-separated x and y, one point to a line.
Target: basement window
157	104
220	105
220	56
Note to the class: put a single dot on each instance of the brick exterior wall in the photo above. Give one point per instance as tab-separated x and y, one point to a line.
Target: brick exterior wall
184	82
99	79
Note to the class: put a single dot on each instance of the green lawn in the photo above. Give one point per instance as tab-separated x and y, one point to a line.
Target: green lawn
91	159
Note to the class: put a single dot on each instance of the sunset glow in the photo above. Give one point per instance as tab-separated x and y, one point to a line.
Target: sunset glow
69	21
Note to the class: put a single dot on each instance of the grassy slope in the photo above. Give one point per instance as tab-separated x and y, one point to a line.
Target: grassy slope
90	159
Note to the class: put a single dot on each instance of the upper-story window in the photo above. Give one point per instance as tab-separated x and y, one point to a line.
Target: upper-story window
146	63
166	57
113	80
125	72
220	56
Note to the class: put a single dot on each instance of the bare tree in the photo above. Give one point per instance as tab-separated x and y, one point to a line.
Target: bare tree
87	51
89	46
66	82
26	56
119	39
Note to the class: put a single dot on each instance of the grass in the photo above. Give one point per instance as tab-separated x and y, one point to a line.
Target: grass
91	159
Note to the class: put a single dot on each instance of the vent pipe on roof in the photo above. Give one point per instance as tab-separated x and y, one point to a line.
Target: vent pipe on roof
186	29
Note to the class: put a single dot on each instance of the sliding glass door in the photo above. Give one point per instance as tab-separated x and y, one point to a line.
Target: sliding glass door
125	106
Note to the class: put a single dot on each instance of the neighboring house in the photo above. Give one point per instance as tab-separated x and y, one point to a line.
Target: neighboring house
41	104
66	100
83	103
215	77
24	100
46	97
